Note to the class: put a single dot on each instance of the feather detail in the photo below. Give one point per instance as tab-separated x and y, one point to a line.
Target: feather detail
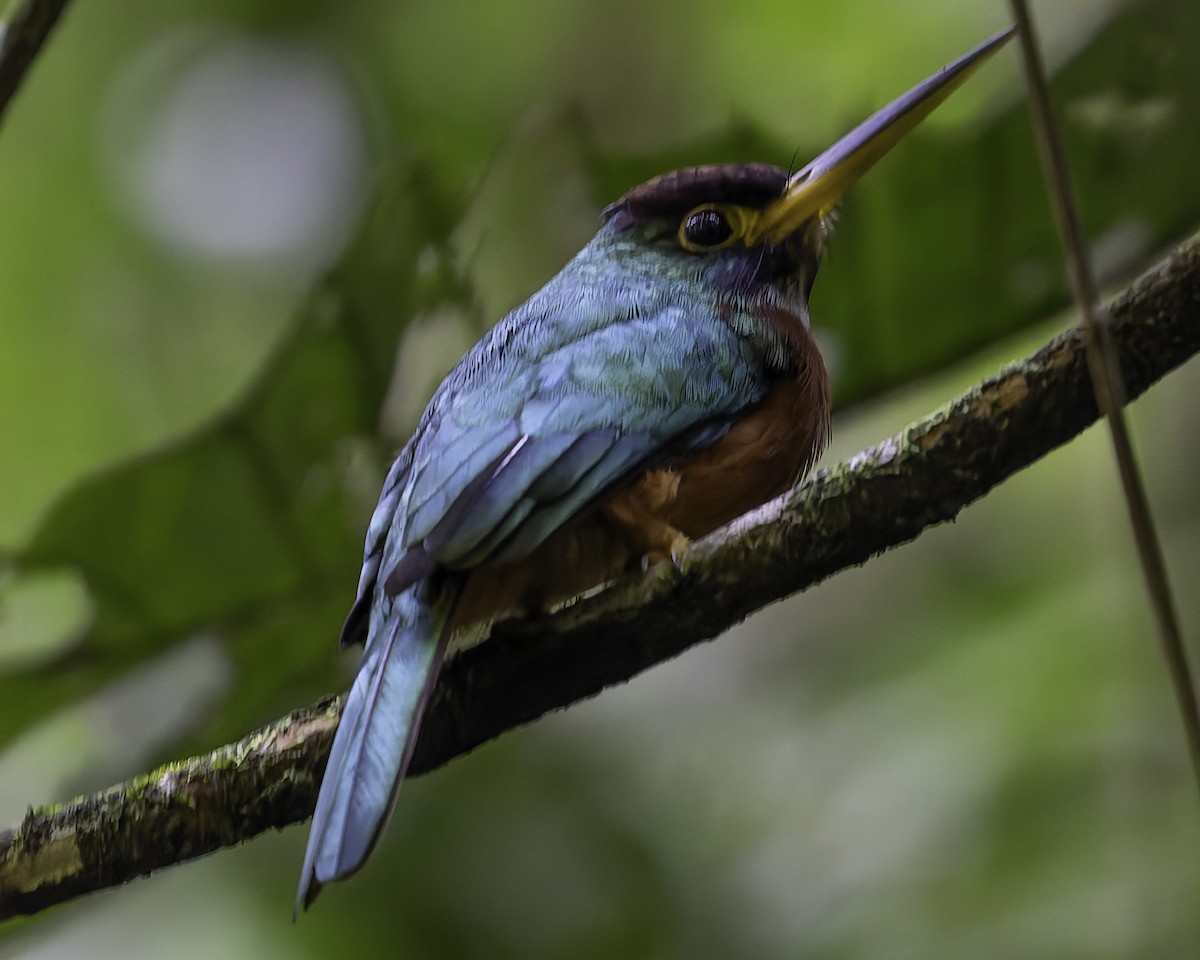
375	738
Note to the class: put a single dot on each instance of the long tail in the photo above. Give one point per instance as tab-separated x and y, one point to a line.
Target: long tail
376	736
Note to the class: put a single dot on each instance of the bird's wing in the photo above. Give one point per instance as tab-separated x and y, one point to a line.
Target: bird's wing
534	424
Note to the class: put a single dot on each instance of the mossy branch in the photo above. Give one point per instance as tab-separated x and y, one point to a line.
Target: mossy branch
840	517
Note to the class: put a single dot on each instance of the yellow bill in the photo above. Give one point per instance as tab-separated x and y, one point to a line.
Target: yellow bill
819	186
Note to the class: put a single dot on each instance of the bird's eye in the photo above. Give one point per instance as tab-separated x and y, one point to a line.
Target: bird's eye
704	229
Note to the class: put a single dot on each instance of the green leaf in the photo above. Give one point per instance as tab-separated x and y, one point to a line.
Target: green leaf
251	527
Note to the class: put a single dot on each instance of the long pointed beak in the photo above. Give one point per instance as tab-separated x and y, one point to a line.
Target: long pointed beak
818	187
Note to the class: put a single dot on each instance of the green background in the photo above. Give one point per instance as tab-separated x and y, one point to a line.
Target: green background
240	243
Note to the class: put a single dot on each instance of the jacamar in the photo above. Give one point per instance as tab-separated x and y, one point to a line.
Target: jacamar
663	383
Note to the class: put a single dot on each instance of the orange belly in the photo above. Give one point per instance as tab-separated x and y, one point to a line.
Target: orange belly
760	457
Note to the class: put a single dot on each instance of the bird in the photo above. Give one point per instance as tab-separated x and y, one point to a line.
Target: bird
663	383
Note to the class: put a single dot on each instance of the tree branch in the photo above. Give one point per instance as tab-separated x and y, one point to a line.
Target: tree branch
841	517
21	38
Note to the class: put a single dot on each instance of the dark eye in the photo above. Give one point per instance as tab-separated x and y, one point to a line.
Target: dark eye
706	228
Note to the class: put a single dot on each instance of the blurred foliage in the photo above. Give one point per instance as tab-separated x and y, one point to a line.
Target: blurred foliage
196	442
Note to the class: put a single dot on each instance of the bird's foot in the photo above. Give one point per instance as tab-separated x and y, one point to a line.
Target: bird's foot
680	545
674	547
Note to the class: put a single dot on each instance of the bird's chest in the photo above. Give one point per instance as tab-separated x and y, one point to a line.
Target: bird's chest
762	455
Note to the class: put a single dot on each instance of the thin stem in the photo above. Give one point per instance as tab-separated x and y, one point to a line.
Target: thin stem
1104	368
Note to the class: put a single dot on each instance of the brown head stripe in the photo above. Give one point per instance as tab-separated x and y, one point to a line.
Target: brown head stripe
674	194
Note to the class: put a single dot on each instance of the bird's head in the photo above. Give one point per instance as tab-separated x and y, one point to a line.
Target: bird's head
707	223
753	228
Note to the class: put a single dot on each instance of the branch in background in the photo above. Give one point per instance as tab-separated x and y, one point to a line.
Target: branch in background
22	35
841	517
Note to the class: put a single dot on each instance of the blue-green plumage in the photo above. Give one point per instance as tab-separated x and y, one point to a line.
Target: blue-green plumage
662	383
634	355
614	361
375	737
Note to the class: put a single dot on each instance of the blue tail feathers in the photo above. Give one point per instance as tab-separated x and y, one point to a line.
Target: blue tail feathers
376	735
